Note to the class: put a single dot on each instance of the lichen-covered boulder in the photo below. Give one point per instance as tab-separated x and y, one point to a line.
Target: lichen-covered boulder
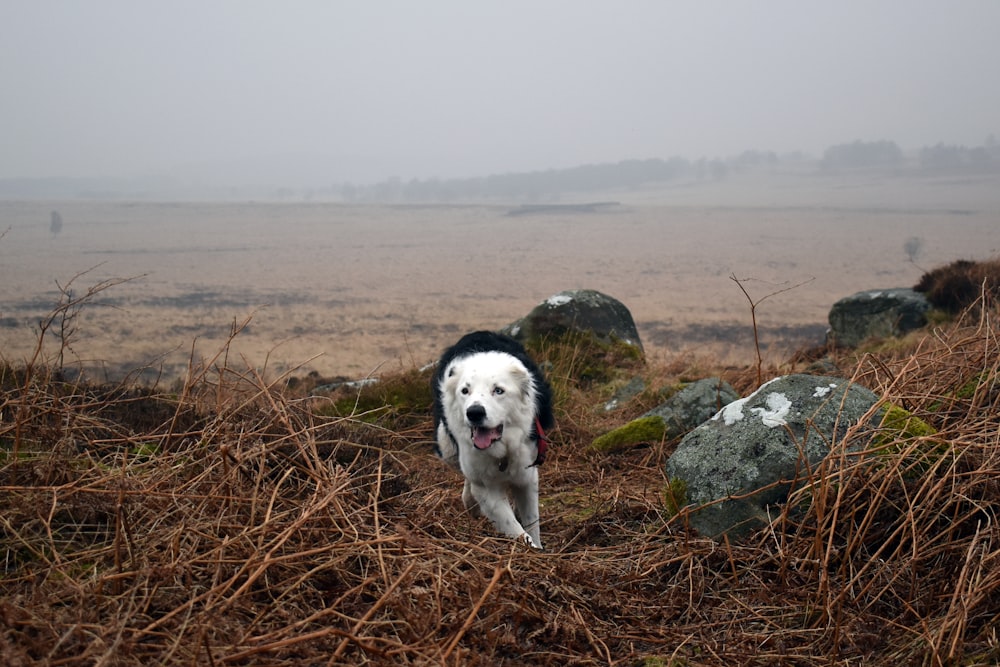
882	313
578	311
754	450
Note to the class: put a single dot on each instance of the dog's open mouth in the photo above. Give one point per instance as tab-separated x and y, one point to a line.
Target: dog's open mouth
483	437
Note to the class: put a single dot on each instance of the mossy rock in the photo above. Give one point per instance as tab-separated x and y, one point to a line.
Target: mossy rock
644	429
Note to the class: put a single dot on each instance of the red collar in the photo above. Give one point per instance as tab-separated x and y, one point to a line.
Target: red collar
543	443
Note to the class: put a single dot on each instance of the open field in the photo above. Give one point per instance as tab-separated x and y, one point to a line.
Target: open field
347	289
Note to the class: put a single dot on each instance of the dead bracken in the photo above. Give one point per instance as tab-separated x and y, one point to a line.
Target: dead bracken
234	519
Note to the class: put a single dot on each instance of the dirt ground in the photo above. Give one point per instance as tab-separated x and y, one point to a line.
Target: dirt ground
347	290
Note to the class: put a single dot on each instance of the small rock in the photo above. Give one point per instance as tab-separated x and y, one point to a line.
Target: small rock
882	313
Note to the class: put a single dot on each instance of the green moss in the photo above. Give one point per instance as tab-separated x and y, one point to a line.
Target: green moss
899	424
644	429
675	496
903	434
969	390
657	661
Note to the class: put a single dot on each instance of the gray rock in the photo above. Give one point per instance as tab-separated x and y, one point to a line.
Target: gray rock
756	448
693	404
578	310
883	313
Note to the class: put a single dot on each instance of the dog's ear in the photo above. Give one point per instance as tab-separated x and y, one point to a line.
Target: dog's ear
525	383
451	374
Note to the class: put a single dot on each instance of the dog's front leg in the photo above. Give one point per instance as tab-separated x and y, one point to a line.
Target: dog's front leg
526	501
494	505
469	500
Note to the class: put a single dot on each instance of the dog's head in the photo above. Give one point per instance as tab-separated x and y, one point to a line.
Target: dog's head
490	391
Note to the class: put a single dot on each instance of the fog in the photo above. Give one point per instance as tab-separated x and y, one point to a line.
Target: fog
312	92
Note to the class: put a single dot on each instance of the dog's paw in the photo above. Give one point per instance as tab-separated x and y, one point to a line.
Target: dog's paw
526	540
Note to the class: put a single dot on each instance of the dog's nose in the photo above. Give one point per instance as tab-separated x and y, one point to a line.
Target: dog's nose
475	413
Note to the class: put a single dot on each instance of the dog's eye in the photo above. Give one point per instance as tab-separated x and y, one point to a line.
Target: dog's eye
465	391
498	390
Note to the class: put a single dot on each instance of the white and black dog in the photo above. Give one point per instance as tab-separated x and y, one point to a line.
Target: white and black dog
492	406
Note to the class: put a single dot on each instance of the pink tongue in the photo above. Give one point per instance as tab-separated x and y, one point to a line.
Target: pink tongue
484	437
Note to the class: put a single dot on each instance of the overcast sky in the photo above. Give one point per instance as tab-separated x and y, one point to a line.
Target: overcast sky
366	90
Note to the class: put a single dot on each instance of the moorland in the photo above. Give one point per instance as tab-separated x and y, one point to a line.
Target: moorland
230	512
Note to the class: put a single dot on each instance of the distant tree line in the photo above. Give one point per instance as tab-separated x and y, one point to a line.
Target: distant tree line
948	158
544	185
862	154
540	186
887	154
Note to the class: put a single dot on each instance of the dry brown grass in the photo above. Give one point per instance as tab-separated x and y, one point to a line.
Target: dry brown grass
228	522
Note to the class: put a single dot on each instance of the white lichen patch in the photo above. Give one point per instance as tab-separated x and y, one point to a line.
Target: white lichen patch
733	412
558	300
777	409
823	391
